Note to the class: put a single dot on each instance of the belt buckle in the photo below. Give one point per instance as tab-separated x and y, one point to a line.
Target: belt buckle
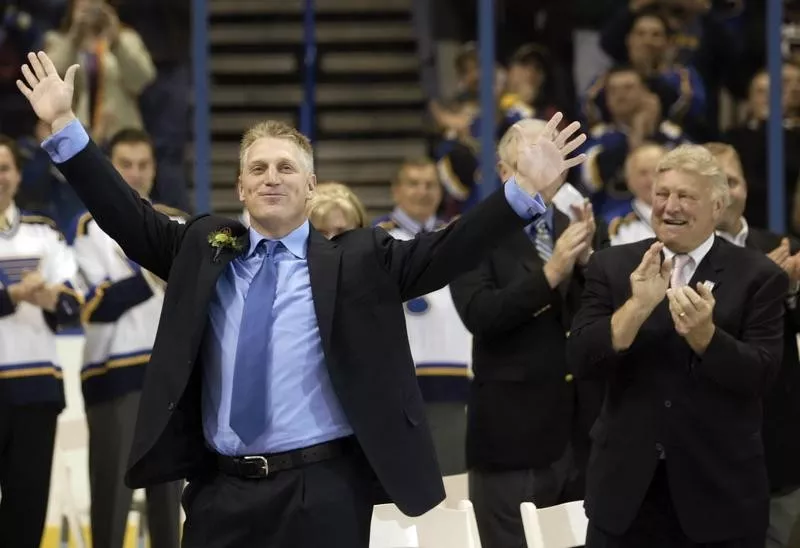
263	469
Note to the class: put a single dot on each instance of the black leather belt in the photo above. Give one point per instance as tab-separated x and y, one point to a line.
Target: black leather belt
261	466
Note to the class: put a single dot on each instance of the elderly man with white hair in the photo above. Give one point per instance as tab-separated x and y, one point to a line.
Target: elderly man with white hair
528	417
687	330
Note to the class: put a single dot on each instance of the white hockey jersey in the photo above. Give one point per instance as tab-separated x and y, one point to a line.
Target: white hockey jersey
633	227
440	344
121	313
29	364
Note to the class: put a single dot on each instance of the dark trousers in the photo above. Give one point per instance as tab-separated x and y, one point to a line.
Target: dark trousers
448	424
27	437
496	497
323	505
111	429
657	525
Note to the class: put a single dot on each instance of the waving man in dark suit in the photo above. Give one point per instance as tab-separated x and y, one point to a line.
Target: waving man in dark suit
281	382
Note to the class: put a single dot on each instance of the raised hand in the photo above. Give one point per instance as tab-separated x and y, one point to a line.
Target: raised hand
543	158
692	313
48	94
650	280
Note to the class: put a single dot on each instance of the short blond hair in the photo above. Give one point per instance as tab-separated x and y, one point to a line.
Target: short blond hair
332	195
507	147
697	160
277	130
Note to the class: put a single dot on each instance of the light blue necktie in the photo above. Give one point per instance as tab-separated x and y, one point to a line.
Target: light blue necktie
248	408
544	241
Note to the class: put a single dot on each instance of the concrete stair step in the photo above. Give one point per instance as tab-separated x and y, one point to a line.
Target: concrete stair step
238	122
327	95
369	62
326	33
259	7
376	121
240	63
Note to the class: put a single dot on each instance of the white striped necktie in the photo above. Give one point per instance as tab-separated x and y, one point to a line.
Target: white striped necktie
544	241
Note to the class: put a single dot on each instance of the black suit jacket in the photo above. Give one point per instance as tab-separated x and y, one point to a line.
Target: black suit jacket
522	401
704	411
359	282
782	402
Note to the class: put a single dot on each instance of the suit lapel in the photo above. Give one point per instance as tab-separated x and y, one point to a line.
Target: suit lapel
212	264
712	265
324	258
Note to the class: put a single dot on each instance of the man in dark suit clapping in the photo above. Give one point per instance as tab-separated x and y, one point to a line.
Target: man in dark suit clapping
688	331
281	382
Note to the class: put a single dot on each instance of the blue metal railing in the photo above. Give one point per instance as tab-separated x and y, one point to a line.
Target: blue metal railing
777	186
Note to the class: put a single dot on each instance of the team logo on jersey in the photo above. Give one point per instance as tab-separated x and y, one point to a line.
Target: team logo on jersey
418	306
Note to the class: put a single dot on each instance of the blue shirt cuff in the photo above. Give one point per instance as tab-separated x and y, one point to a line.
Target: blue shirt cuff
526	206
66	143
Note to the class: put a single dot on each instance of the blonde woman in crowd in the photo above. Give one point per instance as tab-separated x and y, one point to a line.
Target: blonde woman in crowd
334	209
115	66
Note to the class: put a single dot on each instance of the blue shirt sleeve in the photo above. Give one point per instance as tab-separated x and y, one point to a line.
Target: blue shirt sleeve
66	143
526	206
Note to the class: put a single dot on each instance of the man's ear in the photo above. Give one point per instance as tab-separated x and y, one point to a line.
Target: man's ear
240	189
312	185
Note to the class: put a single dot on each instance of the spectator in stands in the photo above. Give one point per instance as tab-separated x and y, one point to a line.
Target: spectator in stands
678	87
115	66
334	209
635	118
700	39
640	171
440	344
19	33
120	320
43	189
750	141
528	417
37	297
164	27
781	422
528	91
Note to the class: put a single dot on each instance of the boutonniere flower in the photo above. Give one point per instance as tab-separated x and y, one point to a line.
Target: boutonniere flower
224	239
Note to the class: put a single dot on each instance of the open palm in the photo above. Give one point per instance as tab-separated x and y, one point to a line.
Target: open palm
48	94
541	160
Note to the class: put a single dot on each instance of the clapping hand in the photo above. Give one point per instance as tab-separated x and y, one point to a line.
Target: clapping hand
24	290
48	94
542	159
584	214
650	280
782	256
569	246
692	313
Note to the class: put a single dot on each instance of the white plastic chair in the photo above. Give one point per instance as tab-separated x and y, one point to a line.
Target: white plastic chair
441	527
456	489
562	526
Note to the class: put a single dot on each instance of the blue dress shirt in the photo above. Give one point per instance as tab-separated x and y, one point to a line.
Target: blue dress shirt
302	408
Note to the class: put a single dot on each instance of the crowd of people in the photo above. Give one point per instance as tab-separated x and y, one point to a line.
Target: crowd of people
615	324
